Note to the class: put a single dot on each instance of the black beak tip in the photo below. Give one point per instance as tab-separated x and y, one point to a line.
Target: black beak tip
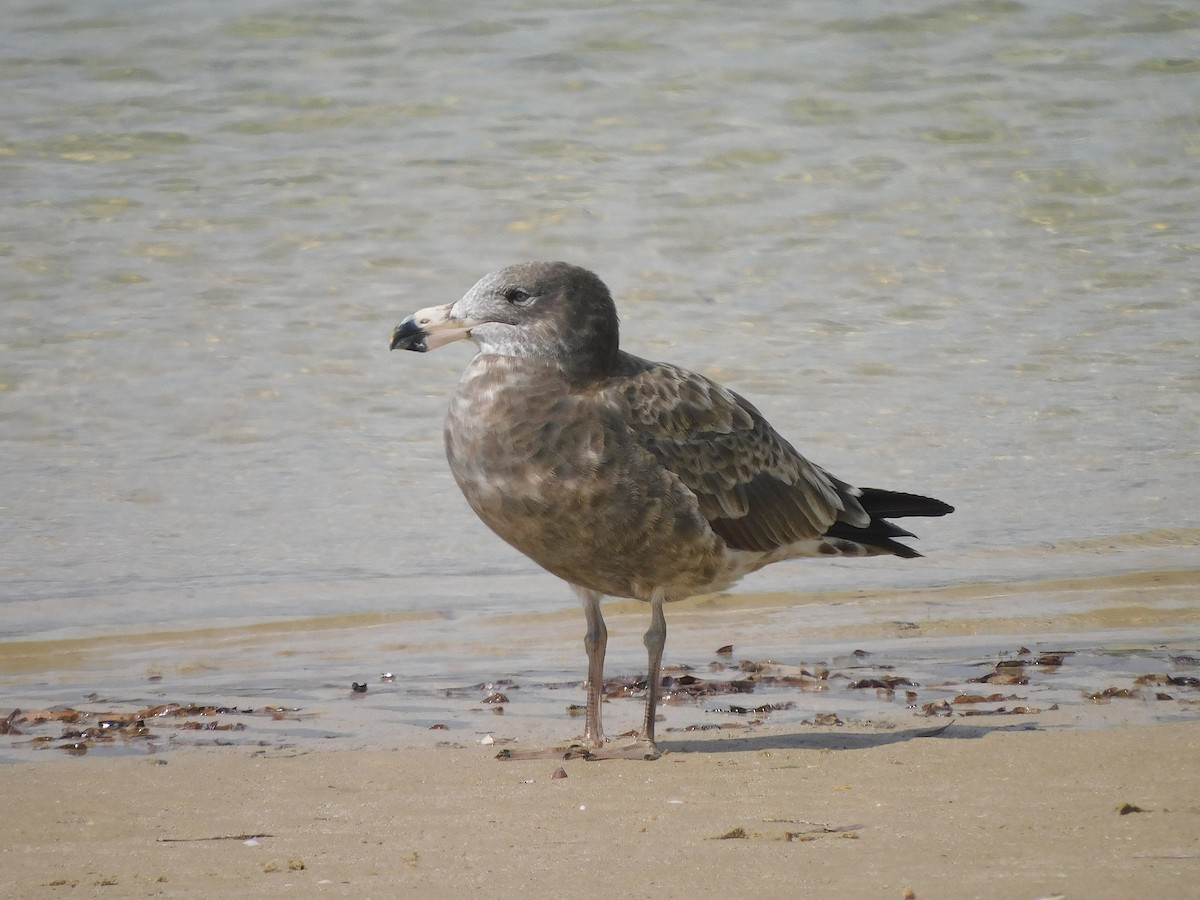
408	336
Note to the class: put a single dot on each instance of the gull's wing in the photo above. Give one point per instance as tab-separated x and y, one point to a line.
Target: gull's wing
756	491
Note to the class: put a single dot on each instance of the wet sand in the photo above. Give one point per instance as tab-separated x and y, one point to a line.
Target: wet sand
988	810
878	657
975	741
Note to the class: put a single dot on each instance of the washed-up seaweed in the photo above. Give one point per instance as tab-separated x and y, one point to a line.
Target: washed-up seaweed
1004	711
83	730
858	672
761	710
887	682
854	685
980	698
1116	693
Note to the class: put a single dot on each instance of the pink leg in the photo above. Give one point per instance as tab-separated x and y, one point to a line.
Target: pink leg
594	642
655	640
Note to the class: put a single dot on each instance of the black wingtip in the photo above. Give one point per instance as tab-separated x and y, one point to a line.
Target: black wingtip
880	533
897	505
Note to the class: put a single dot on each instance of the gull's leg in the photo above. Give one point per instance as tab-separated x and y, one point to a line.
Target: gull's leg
594	642
655	640
656	637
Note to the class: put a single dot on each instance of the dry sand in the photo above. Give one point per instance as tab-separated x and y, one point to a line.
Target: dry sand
994	810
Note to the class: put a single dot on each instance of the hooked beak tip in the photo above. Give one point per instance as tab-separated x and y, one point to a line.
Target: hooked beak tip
408	335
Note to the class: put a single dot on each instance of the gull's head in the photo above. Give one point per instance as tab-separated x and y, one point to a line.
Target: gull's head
537	309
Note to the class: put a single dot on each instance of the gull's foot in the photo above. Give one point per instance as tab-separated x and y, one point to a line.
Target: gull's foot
639	749
574	751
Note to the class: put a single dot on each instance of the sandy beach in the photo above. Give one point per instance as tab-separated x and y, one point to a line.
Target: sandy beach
990	771
994	810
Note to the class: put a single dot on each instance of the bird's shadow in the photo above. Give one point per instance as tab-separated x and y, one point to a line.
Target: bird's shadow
836	740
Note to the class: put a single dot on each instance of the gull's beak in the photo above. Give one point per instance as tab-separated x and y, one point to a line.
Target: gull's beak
428	329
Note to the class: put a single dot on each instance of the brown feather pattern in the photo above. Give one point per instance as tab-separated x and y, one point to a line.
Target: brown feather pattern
623	475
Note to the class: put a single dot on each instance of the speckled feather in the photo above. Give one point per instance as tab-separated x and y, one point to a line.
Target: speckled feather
622	475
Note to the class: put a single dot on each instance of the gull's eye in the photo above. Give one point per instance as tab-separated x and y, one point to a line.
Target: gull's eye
517	297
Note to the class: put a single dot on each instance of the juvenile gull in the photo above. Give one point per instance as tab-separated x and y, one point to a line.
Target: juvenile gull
626	477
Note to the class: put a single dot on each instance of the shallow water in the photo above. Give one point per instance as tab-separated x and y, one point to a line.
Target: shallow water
945	247
1074	652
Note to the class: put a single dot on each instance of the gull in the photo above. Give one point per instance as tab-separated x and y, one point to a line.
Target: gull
626	477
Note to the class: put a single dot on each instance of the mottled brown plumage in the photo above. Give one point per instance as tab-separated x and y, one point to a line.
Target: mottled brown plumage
626	477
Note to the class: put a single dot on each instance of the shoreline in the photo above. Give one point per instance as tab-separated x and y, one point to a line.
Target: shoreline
1060	699
1122	648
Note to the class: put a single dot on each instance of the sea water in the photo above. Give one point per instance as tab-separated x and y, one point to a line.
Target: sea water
946	247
